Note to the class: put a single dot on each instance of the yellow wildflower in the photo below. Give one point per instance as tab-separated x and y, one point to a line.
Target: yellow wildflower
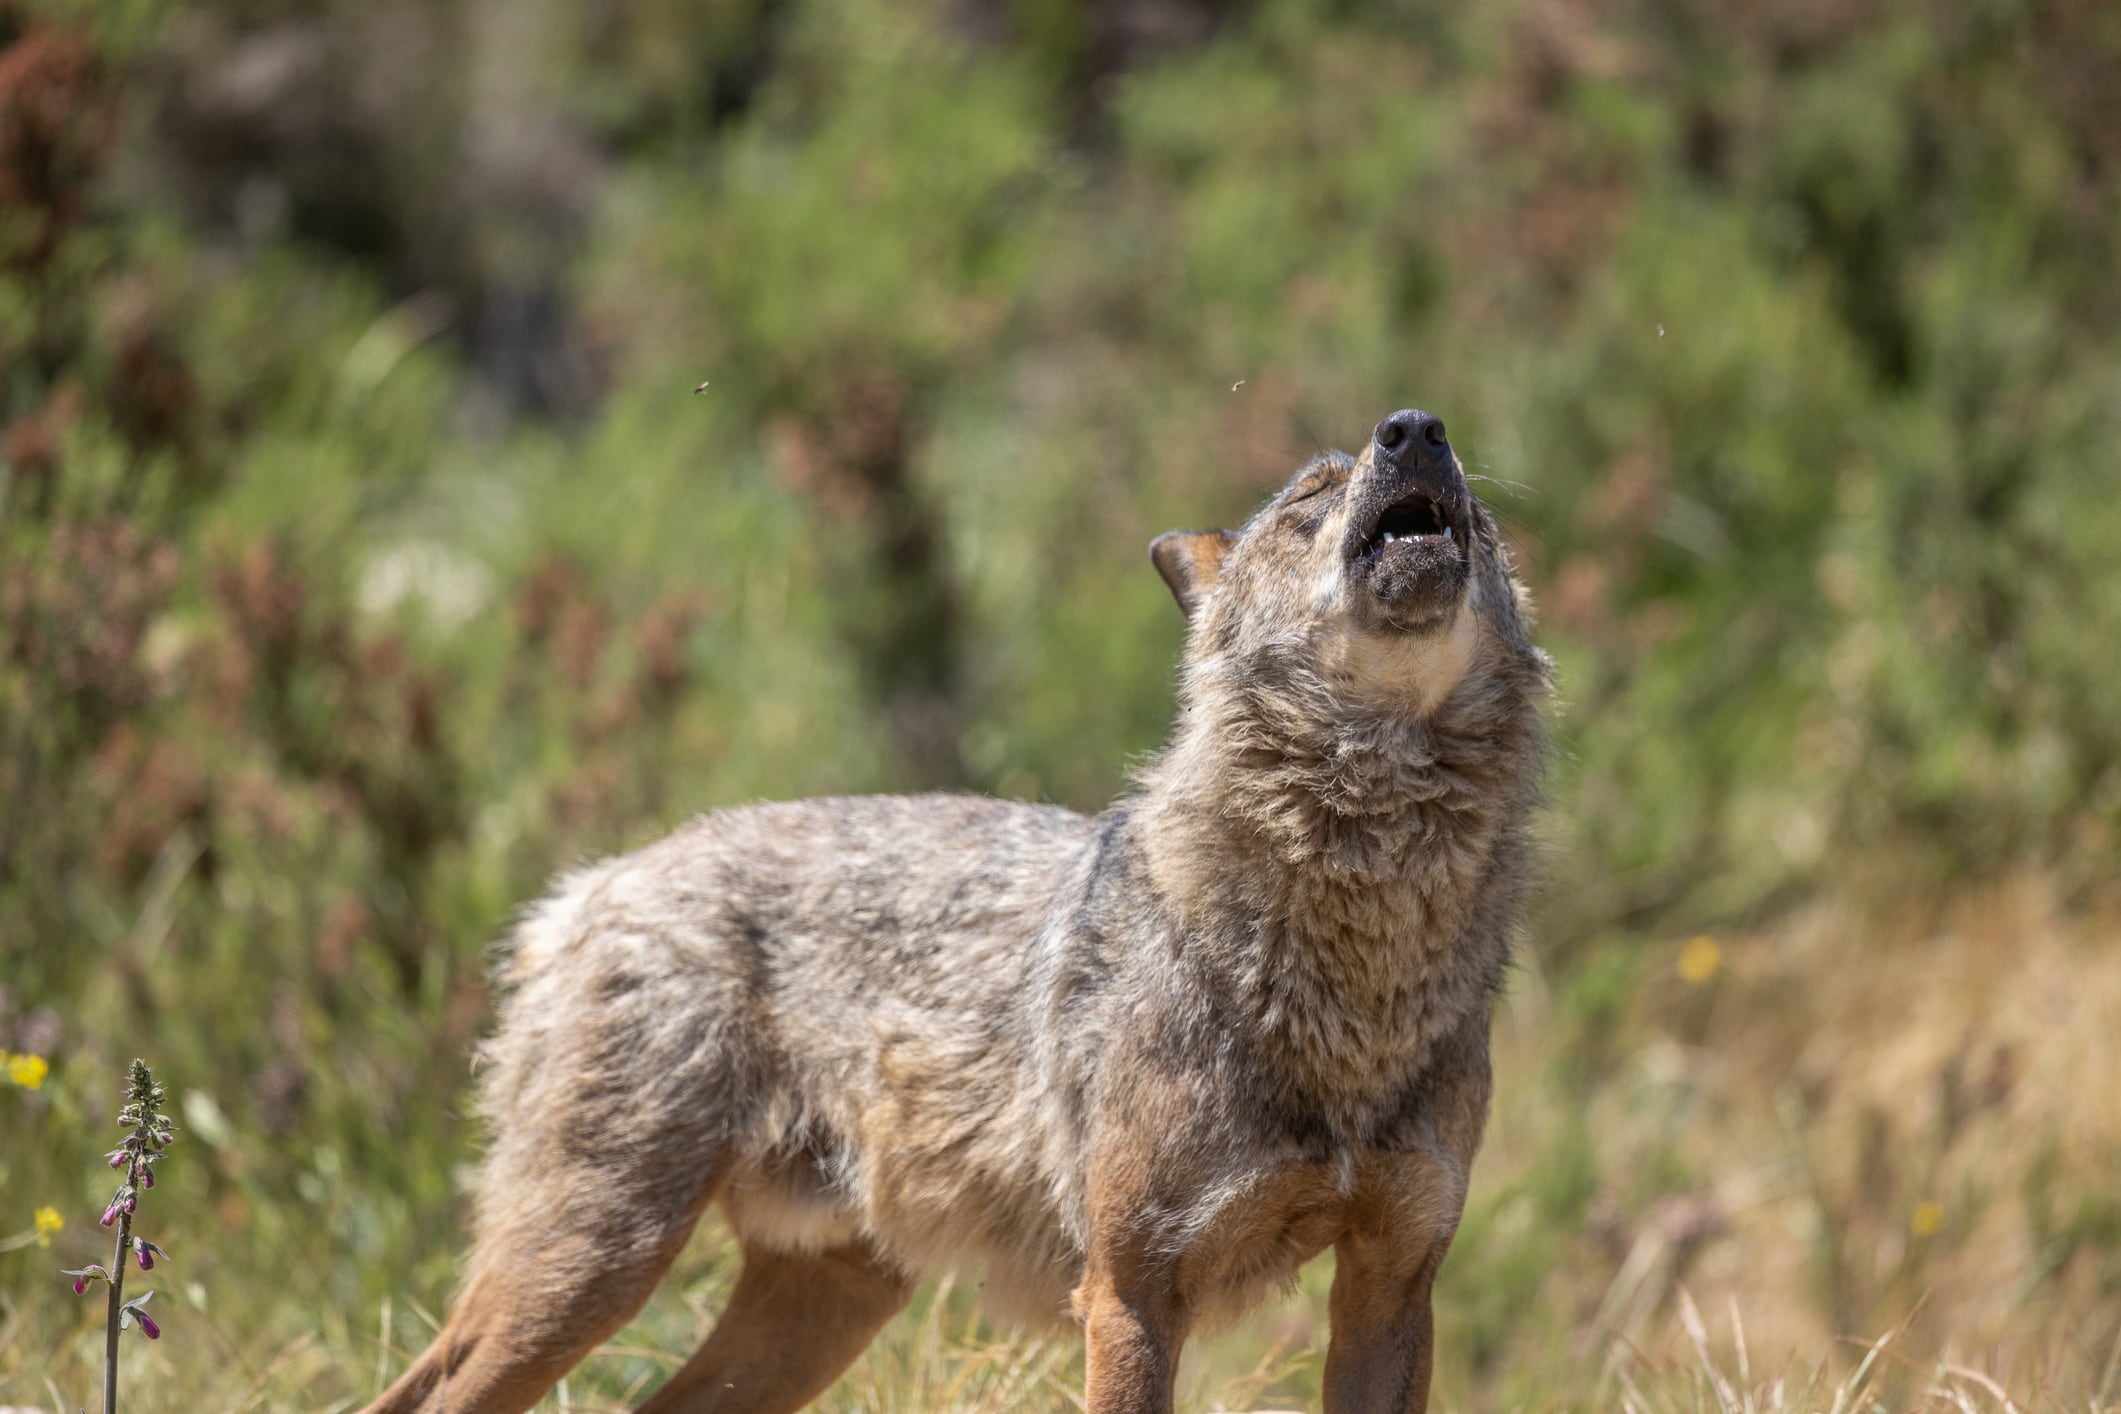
1927	1217
1700	958
48	1222
28	1071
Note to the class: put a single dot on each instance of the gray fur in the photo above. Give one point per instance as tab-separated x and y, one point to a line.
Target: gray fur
916	1023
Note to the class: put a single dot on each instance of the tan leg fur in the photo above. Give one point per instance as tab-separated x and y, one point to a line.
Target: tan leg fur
793	1323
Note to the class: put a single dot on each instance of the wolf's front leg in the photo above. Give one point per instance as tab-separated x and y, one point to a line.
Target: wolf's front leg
1133	1312
1383	1335
1412	1192
1133	1327
1384	1267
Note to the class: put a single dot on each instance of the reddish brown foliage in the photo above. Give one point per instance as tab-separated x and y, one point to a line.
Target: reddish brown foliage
77	618
57	118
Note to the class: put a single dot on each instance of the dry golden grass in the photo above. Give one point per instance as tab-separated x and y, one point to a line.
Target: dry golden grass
1861	1122
1899	1123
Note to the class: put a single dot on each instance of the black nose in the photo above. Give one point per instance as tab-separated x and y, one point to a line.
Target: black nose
1411	433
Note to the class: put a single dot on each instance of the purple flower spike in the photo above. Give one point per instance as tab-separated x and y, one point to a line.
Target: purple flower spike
147	1323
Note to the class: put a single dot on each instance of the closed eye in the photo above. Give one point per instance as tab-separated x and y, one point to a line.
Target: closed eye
1306	494
1306	521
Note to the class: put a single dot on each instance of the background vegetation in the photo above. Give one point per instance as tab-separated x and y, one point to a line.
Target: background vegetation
365	555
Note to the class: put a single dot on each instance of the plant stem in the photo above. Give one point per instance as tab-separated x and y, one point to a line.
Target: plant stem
117	1300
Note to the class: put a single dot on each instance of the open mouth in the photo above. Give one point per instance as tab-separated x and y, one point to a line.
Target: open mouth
1416	518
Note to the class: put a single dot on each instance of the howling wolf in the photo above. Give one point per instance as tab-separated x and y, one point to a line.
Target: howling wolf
1138	1068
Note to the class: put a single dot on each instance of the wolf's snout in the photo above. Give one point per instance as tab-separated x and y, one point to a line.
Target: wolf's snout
1411	435
1409	540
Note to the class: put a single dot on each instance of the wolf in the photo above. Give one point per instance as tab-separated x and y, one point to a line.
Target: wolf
1137	1068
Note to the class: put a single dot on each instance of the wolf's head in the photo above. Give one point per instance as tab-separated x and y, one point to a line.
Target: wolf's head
1375	586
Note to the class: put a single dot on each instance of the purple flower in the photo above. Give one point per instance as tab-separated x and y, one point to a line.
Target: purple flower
146	1252
131	1202
117	1158
147	1177
147	1323
110	1214
80	1286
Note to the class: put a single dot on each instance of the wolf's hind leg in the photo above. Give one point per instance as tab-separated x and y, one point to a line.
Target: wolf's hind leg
615	1113
793	1323
567	1264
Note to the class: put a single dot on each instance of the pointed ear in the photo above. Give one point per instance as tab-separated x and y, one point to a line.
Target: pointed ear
1191	561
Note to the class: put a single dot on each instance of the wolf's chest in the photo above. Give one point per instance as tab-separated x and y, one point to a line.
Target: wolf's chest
1345	999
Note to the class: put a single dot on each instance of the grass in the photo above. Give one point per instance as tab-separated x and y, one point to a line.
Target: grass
1860	1161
